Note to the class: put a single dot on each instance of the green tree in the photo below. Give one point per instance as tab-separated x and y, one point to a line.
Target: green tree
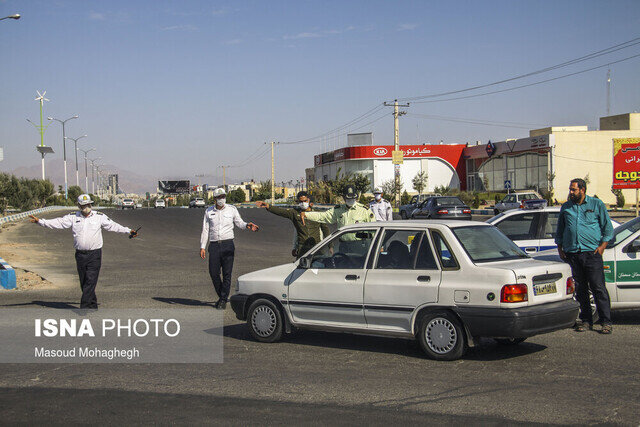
389	187
619	197
236	196
74	191
420	181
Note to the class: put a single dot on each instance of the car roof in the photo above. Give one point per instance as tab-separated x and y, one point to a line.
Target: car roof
411	223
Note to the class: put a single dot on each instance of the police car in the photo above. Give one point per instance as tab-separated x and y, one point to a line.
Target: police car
533	230
444	283
621	261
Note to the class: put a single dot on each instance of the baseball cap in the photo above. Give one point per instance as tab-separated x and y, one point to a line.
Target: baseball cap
84	199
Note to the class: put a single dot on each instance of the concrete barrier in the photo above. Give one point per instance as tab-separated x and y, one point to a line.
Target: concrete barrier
7	275
22	215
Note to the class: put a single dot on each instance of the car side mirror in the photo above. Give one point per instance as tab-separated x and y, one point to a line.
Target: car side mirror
633	246
305	262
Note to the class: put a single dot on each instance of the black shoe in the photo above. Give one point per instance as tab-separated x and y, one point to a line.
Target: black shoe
221	304
581	326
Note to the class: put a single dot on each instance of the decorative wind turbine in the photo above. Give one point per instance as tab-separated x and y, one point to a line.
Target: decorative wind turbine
42	149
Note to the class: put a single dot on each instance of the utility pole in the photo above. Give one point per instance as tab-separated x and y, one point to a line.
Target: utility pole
608	92
396	143
273	173
224	176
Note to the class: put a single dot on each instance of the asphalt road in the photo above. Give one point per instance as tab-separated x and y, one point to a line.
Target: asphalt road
310	377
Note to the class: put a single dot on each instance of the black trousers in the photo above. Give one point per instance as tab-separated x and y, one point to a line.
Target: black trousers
588	272
221	255
88	263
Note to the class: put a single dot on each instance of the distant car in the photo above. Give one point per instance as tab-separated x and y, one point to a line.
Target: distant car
198	202
444	284
138	205
160	204
516	201
407	210
621	261
128	204
442	207
533	230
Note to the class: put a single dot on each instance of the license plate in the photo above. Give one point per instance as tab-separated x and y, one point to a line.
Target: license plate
544	289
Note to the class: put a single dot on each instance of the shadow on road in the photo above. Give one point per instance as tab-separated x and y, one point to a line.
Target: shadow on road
185	301
47	304
487	350
625	317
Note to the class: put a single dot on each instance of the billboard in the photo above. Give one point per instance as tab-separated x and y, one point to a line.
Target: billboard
626	163
174	187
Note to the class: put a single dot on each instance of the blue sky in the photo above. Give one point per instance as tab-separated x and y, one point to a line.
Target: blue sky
174	88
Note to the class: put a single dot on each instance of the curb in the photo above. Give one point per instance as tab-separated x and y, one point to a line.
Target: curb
22	215
7	275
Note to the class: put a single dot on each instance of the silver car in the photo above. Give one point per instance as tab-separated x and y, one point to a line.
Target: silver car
443	283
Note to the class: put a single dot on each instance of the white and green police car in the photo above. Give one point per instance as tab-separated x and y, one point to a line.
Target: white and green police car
621	265
442	282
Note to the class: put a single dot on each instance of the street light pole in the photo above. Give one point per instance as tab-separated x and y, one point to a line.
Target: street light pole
64	150
14	16
93	167
86	175
75	146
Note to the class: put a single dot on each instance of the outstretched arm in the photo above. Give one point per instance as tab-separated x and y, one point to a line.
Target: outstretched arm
56	223
110	225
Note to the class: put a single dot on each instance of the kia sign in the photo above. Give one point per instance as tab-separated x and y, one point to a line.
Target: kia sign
380	151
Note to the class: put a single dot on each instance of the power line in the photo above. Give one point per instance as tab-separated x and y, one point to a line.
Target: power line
602	52
529	84
476	121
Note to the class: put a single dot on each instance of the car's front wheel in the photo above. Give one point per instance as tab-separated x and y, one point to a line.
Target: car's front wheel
265	321
441	336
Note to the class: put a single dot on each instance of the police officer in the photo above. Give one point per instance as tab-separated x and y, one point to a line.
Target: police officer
351	212
86	226
217	231
380	207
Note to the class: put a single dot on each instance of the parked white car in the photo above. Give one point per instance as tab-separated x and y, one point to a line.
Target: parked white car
160	204
515	201
198	202
532	230
621	265
444	283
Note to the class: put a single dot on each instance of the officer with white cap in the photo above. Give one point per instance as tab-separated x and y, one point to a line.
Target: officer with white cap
217	232
86	226
380	207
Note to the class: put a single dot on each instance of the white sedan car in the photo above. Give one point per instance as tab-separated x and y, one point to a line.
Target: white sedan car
444	283
621	265
532	230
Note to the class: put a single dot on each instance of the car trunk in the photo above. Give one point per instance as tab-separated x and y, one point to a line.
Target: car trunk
548	285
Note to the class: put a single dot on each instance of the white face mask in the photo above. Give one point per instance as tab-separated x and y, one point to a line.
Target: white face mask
221	202
378	196
350	202
86	210
303	205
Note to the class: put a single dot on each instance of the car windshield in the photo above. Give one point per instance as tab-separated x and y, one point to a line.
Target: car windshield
128	200
448	201
624	231
486	244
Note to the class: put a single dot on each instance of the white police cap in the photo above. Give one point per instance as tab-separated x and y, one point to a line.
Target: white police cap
219	192
84	199
377	190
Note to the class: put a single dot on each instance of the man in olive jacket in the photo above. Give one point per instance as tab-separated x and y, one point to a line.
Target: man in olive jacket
307	235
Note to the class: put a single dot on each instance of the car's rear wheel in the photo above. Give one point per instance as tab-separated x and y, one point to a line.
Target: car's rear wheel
403	215
441	336
509	341
265	321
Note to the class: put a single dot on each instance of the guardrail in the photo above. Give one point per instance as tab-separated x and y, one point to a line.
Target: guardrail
22	215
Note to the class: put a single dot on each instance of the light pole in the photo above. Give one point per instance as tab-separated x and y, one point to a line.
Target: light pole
42	149
93	167
64	150
86	175
14	16
75	149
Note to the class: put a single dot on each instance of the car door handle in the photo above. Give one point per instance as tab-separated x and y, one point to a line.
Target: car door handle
351	277
424	278
531	250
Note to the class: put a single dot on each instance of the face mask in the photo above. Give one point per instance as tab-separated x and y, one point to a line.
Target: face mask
221	202
86	210
378	197
303	205
350	202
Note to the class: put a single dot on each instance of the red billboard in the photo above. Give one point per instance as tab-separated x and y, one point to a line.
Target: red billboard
626	163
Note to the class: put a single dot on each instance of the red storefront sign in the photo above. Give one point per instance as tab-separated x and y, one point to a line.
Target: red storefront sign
450	153
626	163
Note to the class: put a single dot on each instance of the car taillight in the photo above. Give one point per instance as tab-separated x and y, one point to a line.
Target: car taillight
571	285
466	211
443	211
521	206
514	293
